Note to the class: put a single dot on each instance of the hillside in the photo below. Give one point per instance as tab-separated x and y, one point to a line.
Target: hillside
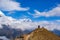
41	34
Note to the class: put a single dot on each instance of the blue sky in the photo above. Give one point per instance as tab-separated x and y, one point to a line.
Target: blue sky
28	14
39	5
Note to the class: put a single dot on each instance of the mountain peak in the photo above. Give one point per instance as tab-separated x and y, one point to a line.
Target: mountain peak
41	34
1	13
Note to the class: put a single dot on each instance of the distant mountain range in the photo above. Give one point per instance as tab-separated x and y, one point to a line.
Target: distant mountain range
14	23
9	32
11	27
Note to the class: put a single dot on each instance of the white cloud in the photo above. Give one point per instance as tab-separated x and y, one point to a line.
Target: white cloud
54	12
58	20
24	24
10	5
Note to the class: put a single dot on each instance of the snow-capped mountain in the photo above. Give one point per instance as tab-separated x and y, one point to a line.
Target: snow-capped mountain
5	19
13	23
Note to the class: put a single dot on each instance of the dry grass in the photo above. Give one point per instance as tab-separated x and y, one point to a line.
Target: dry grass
43	34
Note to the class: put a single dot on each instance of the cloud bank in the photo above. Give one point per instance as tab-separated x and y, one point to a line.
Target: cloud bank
26	23
54	12
10	5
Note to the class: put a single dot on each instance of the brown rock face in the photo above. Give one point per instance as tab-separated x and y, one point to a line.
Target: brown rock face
41	34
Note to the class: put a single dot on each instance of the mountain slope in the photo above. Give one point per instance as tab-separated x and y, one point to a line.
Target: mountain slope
42	34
